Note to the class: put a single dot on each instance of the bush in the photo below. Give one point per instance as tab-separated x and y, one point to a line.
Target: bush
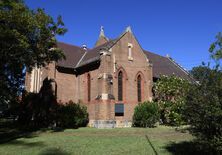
72	115
170	94
171	113
204	110
146	114
38	109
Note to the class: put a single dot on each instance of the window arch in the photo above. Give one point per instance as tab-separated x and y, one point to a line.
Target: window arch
139	92
120	86
88	87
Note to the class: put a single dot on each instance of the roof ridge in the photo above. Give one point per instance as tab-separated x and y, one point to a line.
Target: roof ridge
154	53
116	40
80	59
181	68
60	42
173	61
113	42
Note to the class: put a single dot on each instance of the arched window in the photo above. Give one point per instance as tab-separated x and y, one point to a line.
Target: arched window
88	87
120	86
139	97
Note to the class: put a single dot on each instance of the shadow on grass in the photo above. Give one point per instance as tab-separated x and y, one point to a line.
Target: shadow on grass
10	130
53	151
58	129
148	140
187	148
7	135
27	144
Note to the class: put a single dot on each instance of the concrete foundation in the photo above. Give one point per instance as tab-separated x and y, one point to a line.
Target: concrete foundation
107	124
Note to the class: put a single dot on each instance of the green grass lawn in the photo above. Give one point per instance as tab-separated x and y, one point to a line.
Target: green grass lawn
93	141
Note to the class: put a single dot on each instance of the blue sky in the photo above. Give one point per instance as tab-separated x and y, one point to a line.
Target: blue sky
184	29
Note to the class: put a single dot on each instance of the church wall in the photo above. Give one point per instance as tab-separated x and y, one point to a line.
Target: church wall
131	67
66	86
43	73
101	107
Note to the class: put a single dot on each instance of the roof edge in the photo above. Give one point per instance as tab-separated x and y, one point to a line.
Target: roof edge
98	57
181	68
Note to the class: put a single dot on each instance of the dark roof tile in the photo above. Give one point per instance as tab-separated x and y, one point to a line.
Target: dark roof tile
73	55
166	66
77	57
94	54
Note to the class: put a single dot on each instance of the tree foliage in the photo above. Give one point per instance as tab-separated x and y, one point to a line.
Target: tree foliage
204	102
38	110
71	115
27	39
200	72
170	93
204	110
216	48
146	114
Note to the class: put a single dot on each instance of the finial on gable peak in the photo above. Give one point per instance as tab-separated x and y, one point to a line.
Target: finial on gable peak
102	38
128	29
101	34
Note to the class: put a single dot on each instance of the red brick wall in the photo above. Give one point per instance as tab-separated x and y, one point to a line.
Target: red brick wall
74	87
131	69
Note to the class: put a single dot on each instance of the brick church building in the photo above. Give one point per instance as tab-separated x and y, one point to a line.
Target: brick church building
110	79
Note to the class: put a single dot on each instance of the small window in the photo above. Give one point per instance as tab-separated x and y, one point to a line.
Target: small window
119	109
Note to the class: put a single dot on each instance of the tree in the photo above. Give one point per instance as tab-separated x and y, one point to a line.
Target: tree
204	102
200	72
41	109
27	39
38	109
203	110
216	48
170	93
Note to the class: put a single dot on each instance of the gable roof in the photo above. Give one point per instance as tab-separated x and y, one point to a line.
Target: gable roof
72	53
166	66
94	54
77	57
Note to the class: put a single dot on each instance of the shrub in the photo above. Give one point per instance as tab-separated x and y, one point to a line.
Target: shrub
38	109
146	114
170	94
71	115
171	113
41	109
204	110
